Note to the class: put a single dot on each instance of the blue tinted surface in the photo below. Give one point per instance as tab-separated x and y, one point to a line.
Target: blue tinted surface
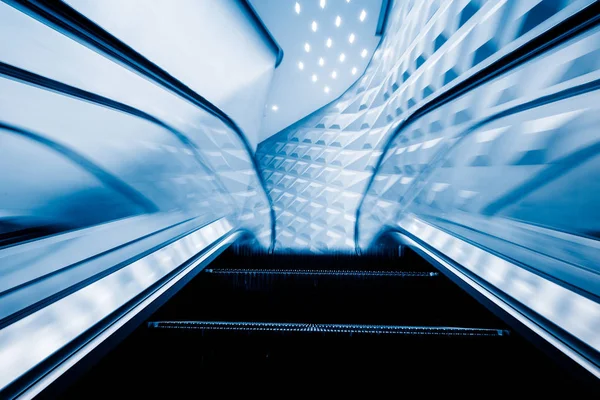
473	131
101	165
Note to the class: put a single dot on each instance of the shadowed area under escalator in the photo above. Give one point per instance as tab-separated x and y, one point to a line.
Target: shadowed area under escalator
334	320
326	289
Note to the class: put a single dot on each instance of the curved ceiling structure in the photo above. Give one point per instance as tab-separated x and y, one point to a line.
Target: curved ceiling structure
432	53
327	46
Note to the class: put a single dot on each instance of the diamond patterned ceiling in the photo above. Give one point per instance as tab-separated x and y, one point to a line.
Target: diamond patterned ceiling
318	169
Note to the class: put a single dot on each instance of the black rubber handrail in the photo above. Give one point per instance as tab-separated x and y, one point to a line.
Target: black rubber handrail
113	182
576	24
441	261
554	171
46	301
24	382
31	78
63	18
384	12
264	30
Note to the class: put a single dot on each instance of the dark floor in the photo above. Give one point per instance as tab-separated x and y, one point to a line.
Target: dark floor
337	323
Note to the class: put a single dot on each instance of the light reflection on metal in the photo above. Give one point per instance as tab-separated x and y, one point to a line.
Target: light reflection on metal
509	162
86	140
35	337
329	328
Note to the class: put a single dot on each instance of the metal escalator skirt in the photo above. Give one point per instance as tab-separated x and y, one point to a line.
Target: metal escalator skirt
32	339
526	295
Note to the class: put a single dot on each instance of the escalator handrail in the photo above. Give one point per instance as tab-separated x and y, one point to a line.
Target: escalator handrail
65	19
574	25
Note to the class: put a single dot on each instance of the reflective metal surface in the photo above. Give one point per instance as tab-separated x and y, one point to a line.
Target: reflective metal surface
472	135
114	178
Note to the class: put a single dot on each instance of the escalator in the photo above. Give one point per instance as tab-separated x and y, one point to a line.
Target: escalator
125	183
336	322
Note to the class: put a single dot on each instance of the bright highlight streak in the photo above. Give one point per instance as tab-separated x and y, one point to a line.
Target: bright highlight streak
326	89
329	42
314	78
363	53
297	8
274	108
338	21
351	38
334	74
322	3
301	65
354	71
363	15
342	57
321	61
314	26
307	47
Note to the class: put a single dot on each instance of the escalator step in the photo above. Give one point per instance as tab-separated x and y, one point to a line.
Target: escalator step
286	322
321	272
323	295
328	328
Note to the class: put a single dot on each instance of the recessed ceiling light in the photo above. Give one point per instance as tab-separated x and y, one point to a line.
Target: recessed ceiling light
301	65
321	61
363	53
347	1
314	78
297	8
326	89
363	15
351	38
329	42
322	3
334	74
338	21
307	47
313	26
274	108
354	71
342	57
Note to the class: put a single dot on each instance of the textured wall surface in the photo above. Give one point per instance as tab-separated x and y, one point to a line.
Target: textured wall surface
476	107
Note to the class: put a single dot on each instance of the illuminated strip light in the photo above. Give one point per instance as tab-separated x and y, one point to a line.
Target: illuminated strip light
320	272
572	312
328	328
32	339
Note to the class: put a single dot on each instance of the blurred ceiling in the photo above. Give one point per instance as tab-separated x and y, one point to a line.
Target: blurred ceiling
327	45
